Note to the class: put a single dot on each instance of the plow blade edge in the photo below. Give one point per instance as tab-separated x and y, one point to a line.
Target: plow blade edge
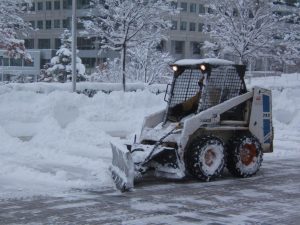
122	168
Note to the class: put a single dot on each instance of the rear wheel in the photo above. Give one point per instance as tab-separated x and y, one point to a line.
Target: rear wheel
205	158
244	156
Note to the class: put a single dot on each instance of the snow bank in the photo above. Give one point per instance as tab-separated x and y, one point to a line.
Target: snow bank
276	82
58	141
213	61
43	87
53	141
286	112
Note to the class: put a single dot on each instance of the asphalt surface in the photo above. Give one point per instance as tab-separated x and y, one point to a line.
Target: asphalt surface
270	197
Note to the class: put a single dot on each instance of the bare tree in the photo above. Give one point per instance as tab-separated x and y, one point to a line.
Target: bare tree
149	64
241	27
123	24
287	49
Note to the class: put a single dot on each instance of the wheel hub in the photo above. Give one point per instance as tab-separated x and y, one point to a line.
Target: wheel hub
209	157
248	153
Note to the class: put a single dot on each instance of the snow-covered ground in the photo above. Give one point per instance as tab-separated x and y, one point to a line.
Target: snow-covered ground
54	141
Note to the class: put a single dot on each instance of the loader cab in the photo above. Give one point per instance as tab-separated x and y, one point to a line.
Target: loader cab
199	84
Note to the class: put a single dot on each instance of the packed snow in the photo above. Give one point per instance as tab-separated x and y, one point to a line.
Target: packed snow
184	62
54	141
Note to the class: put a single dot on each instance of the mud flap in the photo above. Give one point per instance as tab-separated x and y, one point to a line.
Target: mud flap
122	168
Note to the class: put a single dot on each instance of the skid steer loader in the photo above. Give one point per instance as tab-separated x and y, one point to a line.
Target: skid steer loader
211	121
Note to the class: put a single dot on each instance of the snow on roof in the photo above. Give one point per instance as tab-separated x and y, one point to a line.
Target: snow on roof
214	61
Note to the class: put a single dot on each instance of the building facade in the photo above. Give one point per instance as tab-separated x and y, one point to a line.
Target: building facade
51	17
23	70
186	36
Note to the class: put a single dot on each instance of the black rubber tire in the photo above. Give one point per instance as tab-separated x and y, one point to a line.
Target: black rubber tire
244	156
205	158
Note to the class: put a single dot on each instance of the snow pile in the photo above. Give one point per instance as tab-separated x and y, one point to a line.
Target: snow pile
286	118
44	87
276	82
57	140
286	112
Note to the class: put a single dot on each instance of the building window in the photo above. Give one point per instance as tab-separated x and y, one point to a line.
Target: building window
196	48
64	4
67	4
6	62
40	24
179	47
183	25
208	28
32	6
174	25
201	9
183	6
66	23
57	43
192	26
44	43
210	10
32	23
56	24
200	27
161	46
80	26
85	43
89	62
48	24
57	5
235	13
174	5
192	7
29	43
48	5
40	6
15	62
82	4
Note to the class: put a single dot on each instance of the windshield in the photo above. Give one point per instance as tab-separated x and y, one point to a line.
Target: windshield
185	94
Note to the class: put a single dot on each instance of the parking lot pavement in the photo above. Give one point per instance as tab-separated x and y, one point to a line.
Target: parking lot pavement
270	197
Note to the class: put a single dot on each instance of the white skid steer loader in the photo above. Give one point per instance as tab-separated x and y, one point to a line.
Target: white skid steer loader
211	120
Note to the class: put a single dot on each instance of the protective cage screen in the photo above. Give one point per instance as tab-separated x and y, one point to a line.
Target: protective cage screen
223	83
185	86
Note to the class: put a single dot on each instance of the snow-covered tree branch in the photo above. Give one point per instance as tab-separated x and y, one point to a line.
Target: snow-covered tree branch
13	27
123	24
287	49
242	27
148	64
251	28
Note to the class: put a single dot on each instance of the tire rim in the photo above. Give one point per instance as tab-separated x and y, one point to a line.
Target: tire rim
248	154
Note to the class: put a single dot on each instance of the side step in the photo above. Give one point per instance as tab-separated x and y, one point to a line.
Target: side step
122	168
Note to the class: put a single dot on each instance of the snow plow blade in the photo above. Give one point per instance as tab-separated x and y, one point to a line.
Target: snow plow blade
122	168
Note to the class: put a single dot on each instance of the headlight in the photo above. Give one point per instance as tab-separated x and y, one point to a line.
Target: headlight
175	68
202	68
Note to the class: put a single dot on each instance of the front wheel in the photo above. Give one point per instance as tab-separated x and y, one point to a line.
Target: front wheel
244	156
205	158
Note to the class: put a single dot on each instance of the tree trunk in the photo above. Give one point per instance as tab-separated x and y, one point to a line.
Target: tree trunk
145	73
241	60
123	61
